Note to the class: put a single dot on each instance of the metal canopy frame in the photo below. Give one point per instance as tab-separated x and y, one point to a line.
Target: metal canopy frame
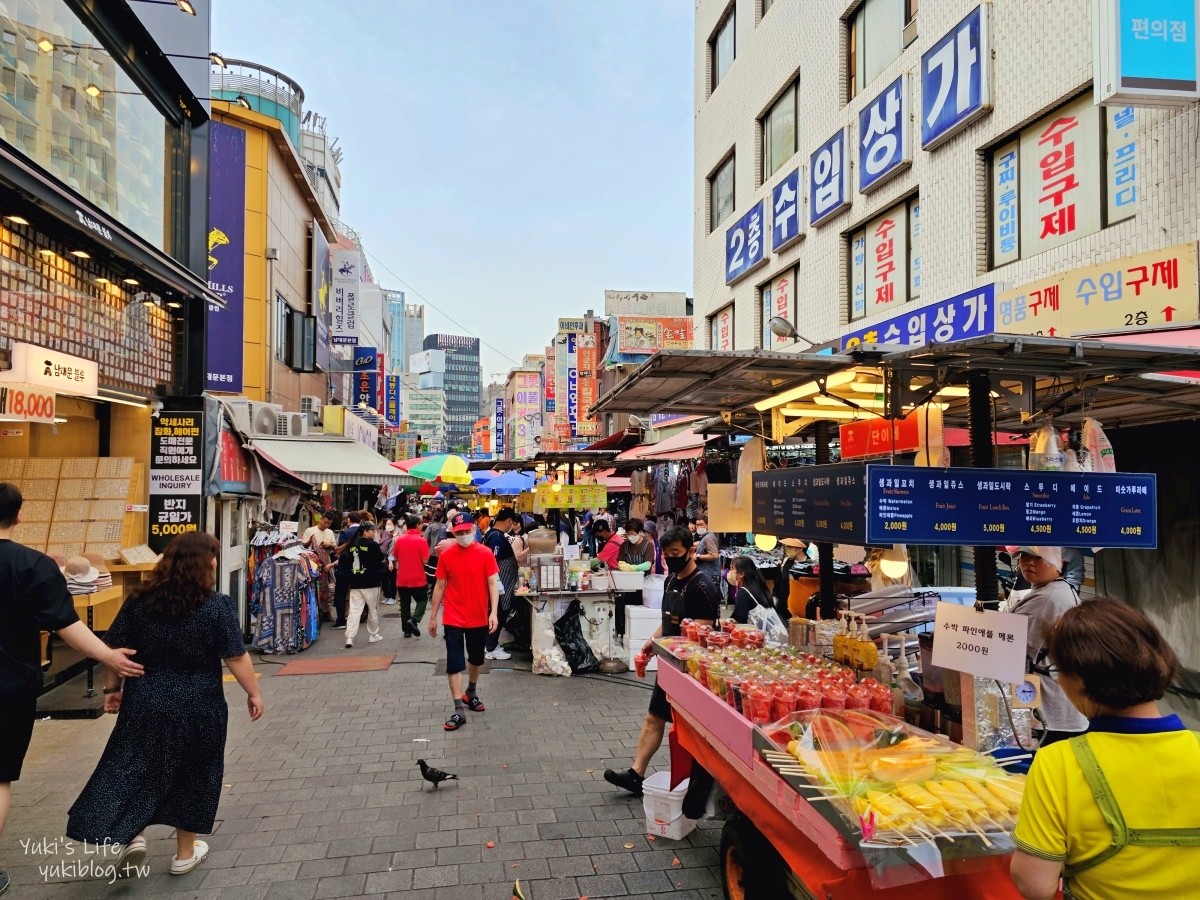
702	382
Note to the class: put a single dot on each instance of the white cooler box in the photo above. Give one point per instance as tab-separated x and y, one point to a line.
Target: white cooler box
664	807
640	624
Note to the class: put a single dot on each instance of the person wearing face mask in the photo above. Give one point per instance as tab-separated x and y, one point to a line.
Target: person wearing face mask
793	552
387	538
708	551
650	529
689	594
468	582
637	551
749	589
1049	598
608	545
1112	812
496	540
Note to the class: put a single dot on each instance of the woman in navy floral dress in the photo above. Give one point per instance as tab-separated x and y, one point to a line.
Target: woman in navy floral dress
166	756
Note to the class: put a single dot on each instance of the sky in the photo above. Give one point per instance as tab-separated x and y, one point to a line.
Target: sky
506	161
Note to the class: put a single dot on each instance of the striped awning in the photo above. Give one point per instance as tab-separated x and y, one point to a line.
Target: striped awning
332	460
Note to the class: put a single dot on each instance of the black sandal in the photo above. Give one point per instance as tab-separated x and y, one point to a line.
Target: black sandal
455	722
474	703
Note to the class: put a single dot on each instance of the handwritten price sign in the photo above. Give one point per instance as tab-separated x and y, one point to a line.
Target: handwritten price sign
26	403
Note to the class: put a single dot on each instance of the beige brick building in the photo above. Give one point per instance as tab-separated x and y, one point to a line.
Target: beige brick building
1085	186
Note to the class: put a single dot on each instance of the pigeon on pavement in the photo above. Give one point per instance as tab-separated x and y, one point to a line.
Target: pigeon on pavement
434	776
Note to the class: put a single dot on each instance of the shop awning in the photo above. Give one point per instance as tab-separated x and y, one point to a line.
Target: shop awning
685	445
617	484
330	460
622	440
702	382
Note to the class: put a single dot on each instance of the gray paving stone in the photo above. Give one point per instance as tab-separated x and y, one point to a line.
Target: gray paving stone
340	886
648	882
441	876
602	886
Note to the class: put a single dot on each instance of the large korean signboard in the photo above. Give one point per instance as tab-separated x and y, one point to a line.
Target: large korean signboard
745	244
966	315
1146	52
816	503
955	83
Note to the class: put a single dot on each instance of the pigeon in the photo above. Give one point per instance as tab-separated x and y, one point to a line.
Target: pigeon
434	776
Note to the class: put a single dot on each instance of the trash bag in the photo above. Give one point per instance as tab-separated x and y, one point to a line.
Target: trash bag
569	634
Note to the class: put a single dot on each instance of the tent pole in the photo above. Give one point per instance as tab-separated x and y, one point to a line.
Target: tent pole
983	456
824	548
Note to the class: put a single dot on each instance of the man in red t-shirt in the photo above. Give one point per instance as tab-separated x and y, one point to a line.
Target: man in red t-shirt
468	580
410	551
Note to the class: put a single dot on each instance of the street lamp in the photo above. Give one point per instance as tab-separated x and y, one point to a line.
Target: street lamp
781	327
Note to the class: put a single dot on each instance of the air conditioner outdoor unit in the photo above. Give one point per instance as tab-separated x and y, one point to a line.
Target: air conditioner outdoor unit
291	424
253	418
310	404
314	422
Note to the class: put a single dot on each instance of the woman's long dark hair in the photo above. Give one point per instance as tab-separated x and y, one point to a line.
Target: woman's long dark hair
753	582
183	578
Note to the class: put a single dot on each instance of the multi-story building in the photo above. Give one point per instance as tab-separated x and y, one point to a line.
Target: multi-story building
889	161
424	411
523	424
407	329
463	384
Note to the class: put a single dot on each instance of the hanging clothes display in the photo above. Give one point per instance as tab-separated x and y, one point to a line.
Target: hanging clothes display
283	593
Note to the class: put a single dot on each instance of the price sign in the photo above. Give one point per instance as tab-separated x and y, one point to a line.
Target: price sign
26	403
988	644
817	503
988	507
176	475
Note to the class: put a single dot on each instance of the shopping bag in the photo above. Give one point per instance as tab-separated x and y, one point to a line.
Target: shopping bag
766	620
569	634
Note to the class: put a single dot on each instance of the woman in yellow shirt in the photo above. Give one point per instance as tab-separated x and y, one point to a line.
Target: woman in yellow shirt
1112	812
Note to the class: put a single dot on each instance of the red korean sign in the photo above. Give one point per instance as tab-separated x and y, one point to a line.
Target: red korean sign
876	437
588	385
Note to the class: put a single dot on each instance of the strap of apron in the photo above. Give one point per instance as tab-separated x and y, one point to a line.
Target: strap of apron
1122	836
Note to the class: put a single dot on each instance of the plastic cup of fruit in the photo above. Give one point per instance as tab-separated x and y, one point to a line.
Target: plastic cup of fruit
761	706
733	685
756	639
881	699
833	697
858	697
639	664
808	698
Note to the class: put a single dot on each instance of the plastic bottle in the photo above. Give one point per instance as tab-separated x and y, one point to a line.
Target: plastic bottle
907	691
840	638
868	654
885	671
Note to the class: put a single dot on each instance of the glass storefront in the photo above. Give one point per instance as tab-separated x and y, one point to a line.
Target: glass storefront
50	298
68	105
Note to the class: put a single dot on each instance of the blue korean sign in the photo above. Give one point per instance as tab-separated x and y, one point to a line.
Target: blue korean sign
366	376
573	398
391	400
993	507
1157	45
964	316
829	179
884	147
785	205
744	244
498	438
955	88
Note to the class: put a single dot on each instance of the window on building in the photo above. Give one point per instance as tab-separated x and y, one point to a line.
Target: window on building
875	38
779	140
283	322
885	261
722	46
777	299
720	329
720	193
1068	175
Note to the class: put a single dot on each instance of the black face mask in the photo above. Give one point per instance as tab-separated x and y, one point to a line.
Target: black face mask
676	564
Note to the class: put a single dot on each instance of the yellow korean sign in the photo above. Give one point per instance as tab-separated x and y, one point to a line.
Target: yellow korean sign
1154	288
571	496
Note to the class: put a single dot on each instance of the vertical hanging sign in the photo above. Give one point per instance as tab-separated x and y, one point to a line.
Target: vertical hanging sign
226	256
176	476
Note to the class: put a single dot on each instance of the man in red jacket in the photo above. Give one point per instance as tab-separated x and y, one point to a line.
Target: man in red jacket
468	580
410	550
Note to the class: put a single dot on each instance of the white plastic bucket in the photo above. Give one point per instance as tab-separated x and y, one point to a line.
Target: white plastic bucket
626	581
664	807
652	591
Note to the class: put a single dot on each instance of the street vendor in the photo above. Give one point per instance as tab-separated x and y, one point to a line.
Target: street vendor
689	594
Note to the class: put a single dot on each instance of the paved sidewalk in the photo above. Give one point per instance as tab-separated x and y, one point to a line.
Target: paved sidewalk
323	797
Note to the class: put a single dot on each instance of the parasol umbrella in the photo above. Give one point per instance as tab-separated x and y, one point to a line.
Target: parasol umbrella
483	477
428	489
446	468
508	483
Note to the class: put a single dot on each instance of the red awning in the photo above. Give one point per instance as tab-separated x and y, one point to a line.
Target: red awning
685	445
622	440
615	483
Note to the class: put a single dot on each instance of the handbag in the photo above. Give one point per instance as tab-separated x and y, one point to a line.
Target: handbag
766	620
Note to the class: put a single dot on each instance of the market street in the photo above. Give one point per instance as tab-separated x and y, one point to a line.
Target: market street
323	797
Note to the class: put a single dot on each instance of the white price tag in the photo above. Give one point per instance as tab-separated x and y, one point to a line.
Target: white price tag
570	552
289	527
987	644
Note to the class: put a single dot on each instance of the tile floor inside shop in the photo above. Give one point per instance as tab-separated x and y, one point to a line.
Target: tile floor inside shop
323	797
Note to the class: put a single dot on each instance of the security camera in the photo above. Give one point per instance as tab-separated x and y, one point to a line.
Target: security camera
156	406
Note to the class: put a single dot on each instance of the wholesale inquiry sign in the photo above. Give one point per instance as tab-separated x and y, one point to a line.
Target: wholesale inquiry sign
176	475
991	507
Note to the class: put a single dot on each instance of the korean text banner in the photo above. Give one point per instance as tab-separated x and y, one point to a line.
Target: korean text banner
992	507
570	496
392	405
366	375
346	285
645	336
745	244
176	473
498	429
963	316
321	284
1153	288
226	256
955	83
817	503
588	358
885	145
1146	52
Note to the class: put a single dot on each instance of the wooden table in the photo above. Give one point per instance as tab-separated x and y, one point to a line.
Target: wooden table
99	610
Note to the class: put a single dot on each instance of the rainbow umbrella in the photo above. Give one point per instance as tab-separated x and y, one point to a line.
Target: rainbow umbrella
446	468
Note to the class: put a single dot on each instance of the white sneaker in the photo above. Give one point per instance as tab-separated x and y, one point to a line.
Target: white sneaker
498	653
387	602
373	639
349	644
132	856
198	856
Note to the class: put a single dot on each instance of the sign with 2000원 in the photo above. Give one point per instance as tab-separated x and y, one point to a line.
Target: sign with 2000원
987	507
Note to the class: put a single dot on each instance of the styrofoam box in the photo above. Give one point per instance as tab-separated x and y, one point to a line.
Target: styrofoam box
640	624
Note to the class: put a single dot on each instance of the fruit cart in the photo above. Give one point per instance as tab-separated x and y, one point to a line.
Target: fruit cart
783	844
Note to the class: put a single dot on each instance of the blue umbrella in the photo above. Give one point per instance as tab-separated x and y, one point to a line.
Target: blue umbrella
483	477
508	483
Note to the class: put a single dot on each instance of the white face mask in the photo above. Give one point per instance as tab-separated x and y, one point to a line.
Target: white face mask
633	538
701	531
390	527
466	539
